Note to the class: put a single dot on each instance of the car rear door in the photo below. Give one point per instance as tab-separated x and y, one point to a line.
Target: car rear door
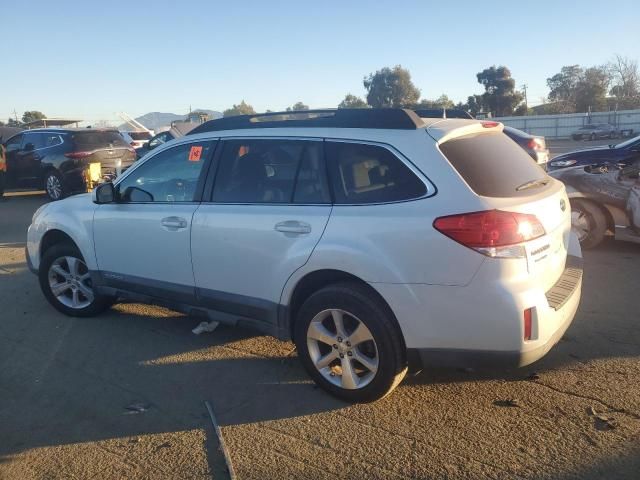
142	242
267	211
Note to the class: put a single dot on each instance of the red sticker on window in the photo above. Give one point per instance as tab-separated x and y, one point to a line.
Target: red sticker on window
195	153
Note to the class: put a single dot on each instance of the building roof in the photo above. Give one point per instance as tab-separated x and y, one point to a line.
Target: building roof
51	122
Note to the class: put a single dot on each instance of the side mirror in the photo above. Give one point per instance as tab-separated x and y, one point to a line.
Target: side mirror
104	193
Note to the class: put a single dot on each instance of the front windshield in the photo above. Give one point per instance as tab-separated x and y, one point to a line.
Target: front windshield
630	142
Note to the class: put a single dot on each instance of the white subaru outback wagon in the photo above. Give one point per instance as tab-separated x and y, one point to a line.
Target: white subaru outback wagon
371	238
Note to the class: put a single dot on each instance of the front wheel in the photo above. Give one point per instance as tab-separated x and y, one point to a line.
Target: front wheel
54	186
589	223
66	283
349	343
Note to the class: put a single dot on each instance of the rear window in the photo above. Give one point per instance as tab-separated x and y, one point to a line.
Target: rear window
494	166
140	135
98	139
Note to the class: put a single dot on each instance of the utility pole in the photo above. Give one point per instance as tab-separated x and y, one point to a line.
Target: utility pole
526	103
15	115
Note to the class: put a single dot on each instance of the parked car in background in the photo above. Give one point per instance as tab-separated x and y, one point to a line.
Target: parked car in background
177	130
534	145
64	161
139	137
595	131
623	154
605	199
293	230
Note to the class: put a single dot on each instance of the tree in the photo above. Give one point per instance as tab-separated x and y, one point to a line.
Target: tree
441	102
12	122
391	87
474	105
626	82
241	109
298	107
33	115
563	88
1	123
351	101
591	89
500	95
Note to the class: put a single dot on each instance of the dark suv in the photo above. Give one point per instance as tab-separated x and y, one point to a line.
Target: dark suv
65	161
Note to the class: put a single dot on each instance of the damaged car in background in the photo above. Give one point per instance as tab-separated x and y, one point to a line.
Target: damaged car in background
63	161
605	199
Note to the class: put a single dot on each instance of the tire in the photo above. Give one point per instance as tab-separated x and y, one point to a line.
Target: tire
77	281
589	223
380	344
54	185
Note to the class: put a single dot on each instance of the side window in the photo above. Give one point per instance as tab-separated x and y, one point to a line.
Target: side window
14	143
271	171
363	173
51	140
169	176
160	139
33	141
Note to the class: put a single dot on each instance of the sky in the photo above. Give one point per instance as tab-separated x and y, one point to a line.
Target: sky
92	59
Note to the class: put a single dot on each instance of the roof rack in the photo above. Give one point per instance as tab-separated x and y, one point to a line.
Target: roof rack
383	118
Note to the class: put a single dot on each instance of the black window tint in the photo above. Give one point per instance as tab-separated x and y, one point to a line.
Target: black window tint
265	171
169	176
92	140
36	140
370	174
51	140
14	143
493	165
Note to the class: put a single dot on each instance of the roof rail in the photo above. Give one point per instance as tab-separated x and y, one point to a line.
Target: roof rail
384	118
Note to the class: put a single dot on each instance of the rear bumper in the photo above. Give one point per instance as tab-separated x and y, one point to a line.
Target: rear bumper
559	320
482	324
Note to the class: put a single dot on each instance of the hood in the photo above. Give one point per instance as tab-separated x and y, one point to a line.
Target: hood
586	152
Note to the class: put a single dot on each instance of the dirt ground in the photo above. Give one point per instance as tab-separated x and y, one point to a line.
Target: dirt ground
65	385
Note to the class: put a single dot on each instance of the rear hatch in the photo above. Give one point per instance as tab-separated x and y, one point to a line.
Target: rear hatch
106	147
504	177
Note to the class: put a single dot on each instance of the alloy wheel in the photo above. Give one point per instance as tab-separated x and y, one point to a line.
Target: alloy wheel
70	282
342	349
54	187
580	224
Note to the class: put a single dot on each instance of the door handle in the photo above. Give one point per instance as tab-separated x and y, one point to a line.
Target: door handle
293	226
173	223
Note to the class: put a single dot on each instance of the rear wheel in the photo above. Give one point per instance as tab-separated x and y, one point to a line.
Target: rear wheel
349	343
66	283
589	223
54	185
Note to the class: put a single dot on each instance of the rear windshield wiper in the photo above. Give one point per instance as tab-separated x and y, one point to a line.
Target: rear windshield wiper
532	184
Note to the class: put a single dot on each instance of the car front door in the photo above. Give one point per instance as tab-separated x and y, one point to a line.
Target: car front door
11	154
267	211
28	159
142	241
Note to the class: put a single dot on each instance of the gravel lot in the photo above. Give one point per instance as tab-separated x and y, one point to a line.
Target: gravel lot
65	385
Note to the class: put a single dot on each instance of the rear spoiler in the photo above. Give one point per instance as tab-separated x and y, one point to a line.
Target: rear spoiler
446	130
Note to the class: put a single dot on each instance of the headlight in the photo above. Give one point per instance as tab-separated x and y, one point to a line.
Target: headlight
563	163
38	212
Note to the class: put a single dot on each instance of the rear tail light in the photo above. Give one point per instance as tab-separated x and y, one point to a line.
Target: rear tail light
77	155
494	233
536	144
490	124
527	324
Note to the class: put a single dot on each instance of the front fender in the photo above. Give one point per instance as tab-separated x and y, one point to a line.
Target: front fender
73	217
